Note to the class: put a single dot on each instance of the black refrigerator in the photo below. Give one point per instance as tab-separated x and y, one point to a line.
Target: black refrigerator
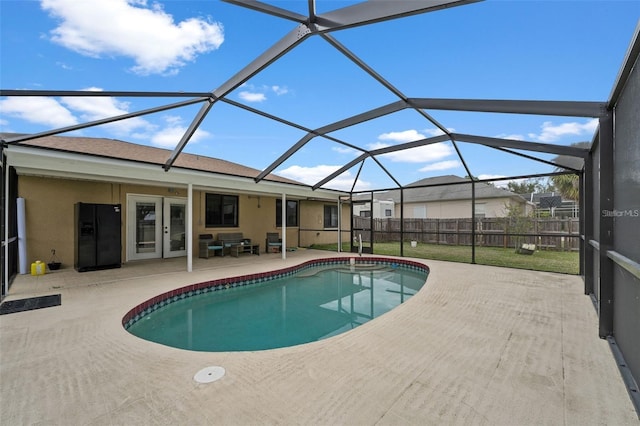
97	236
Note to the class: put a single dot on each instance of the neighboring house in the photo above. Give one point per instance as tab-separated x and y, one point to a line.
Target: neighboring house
382	209
54	173
446	197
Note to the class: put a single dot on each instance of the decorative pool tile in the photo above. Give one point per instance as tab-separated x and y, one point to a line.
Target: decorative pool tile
145	308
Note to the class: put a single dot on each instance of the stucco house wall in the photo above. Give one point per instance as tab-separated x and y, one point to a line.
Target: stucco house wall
49	213
312	230
49	210
56	172
453	209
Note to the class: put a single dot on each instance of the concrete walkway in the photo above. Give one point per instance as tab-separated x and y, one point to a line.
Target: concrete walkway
478	345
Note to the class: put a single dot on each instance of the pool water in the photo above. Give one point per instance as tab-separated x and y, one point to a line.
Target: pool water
313	304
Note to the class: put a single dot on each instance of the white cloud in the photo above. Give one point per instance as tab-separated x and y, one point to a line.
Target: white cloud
280	90
148	35
551	132
259	94
402	137
5	127
313	175
38	110
500	183
68	111
173	131
308	175
489	176
345	150
421	154
412	135
252	96
437	132
96	108
344	182
513	136
441	165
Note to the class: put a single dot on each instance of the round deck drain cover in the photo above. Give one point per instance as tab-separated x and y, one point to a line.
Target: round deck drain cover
209	374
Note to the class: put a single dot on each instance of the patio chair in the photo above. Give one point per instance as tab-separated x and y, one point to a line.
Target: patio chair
208	246
273	243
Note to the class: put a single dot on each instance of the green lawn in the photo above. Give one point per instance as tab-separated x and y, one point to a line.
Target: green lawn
551	261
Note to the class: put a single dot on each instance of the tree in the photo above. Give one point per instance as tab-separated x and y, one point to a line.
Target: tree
518	223
568	185
527	186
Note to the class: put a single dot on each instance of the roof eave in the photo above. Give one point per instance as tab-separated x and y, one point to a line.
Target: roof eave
64	164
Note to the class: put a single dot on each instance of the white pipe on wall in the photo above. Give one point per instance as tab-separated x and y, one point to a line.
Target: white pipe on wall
339	226
22	236
283	212
6	229
189	230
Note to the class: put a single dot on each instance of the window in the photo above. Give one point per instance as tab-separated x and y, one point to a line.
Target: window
365	213
292	213
330	216
221	210
420	212
387	212
480	210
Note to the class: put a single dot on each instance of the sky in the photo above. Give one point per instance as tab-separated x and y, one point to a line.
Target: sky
569	50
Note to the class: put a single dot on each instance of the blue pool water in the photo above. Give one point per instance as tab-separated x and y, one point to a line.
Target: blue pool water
313	304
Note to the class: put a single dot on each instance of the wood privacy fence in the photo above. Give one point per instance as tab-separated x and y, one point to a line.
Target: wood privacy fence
546	233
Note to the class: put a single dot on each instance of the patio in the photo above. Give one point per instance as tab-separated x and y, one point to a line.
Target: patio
477	345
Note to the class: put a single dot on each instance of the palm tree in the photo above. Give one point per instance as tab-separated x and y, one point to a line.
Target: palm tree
568	185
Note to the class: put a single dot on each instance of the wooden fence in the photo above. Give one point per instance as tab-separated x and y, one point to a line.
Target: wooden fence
546	233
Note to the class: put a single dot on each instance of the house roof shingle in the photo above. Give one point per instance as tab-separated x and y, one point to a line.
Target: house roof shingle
121	150
447	187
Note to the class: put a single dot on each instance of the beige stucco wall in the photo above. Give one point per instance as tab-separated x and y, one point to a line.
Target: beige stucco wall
312	229
257	216
49	205
494	207
49	211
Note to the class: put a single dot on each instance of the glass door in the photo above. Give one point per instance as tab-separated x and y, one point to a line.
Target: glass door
144	227
174	227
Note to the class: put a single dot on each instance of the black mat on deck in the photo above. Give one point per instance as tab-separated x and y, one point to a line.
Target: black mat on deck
21	305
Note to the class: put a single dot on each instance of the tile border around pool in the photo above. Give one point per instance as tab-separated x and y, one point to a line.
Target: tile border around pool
150	305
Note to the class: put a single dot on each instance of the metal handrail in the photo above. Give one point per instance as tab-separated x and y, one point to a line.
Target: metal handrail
625	262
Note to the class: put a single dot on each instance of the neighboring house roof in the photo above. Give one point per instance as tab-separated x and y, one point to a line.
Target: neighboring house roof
117	149
448	187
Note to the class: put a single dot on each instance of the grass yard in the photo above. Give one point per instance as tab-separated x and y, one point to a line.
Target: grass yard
543	260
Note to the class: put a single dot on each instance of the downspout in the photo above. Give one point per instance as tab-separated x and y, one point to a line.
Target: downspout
189	231
339	226
22	235
283	212
401	221
6	225
473	220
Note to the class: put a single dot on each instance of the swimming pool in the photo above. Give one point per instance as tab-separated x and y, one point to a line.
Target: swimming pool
297	305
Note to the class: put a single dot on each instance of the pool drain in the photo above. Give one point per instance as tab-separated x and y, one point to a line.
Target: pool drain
209	374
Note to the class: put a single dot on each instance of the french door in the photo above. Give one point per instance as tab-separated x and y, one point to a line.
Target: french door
174	227
156	227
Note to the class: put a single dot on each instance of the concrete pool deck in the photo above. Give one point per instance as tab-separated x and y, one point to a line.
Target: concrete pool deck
477	345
